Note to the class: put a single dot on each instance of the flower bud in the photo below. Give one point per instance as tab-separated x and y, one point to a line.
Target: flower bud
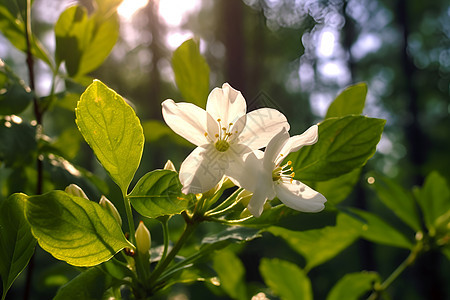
143	239
111	209
75	190
170	166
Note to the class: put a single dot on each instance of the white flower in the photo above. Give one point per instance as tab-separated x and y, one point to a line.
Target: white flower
267	178
223	134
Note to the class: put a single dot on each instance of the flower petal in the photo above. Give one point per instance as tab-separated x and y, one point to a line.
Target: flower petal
189	121
272	153
309	137
202	169
299	196
226	104
245	173
261	126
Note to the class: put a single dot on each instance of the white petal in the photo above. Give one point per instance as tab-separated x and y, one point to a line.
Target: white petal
202	170
261	126
272	153
245	173
226	104
309	137
299	196
189	121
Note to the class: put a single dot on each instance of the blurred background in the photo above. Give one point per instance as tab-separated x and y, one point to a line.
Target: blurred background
296	56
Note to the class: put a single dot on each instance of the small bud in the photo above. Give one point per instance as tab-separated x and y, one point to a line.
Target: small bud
170	166
111	209
143	239
75	190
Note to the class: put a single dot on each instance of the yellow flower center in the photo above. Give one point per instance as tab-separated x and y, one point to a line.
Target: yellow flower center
283	172
222	139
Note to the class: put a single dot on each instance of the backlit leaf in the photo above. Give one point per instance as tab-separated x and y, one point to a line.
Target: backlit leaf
286	279
158	193
112	129
353	286
231	272
89	285
74	229
350	102
344	144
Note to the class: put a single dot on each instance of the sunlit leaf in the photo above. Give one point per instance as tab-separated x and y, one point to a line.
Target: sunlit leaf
74	229
321	245
400	201
269	217
286	279
83	41
434	199
158	193
112	129
353	286
231	272
378	231
350	102
344	144
16	241
89	285
191	73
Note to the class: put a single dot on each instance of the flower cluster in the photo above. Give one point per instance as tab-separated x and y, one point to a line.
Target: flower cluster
229	140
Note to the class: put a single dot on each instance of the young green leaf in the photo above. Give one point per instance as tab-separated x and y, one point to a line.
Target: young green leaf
286	279
112	129
434	199
231	272
400	201
378	231
16	241
89	285
353	286
344	144
158	193
74	229
350	102
83	41
320	245
191	73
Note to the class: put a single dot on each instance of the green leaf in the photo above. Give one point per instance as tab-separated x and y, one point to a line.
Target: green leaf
158	193
269	217
235	234
15	96
191	73
321	245
400	201
83	41
353	286
286	279
16	241
350	102
18	145
378	231
434	199
344	144
89	285
12	25
74	229
231	272
338	189
112	129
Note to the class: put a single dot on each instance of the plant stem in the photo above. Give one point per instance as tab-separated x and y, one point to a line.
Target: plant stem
165	226
399	270
190	227
130	218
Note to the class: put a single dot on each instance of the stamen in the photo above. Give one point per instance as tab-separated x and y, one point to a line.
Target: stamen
285	172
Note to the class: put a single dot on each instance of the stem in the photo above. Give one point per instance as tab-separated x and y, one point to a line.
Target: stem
38	116
190	227
130	218
165	226
225	205
399	270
